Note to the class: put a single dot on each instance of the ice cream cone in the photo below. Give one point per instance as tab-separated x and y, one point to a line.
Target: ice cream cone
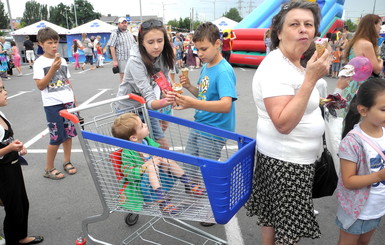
320	46
177	87
185	72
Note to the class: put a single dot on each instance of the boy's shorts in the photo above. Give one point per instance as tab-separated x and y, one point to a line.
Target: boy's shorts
360	226
204	145
89	59
60	128
335	67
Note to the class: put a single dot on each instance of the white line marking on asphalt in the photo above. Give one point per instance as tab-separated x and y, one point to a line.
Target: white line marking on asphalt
95	96
233	232
242	69
20	93
45	131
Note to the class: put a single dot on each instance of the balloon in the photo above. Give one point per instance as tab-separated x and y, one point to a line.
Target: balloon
363	68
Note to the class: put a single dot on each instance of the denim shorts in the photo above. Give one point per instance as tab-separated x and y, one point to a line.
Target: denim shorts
360	226
204	145
60	129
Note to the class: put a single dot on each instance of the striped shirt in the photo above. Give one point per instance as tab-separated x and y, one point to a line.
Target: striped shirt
122	41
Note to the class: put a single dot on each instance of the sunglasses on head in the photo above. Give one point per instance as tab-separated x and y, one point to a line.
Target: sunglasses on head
150	24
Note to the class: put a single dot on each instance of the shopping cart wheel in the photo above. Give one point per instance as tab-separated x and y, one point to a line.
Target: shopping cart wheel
131	219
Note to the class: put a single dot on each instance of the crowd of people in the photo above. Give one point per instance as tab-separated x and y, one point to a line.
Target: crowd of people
289	126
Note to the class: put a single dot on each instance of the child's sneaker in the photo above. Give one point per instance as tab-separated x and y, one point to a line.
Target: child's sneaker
167	207
195	190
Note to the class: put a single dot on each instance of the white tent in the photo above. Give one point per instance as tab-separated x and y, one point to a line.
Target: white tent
31	31
382	29
94	26
224	23
34	28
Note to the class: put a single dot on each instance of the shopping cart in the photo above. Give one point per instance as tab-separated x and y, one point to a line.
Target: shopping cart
215	188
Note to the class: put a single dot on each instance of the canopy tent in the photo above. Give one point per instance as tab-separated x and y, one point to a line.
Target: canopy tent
93	28
31	31
34	28
224	23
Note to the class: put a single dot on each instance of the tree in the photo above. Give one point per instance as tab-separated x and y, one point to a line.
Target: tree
351	26
233	14
4	20
60	15
34	12
85	12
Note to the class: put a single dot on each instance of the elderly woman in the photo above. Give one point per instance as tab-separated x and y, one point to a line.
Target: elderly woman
289	129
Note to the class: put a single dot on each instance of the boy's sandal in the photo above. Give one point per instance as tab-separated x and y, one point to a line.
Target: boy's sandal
168	208
54	176
69	168
196	190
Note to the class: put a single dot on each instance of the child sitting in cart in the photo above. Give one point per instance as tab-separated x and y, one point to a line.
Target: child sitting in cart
147	178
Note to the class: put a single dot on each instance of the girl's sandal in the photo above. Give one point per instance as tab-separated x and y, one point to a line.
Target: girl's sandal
48	174
68	169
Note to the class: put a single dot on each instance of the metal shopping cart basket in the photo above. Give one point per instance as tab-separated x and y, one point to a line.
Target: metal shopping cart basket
213	188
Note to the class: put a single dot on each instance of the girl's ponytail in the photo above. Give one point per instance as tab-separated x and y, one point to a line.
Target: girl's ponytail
351	118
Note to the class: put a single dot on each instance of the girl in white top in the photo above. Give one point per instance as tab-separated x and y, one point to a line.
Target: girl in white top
361	187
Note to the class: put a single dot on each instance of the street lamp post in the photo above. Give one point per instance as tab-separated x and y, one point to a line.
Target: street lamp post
374	6
76	18
10	16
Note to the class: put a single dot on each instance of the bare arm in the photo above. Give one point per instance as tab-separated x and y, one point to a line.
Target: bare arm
365	48
113	54
353	181
218	106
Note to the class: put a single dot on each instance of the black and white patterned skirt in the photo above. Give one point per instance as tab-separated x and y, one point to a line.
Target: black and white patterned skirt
282	199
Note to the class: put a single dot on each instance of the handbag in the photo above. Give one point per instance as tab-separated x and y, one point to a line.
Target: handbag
325	176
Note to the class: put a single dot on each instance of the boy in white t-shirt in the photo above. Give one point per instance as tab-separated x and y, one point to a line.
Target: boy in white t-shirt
51	74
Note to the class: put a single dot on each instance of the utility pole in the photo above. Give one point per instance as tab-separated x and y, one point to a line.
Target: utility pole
76	18
374	6
164	4
10	16
191	19
140	7
214	1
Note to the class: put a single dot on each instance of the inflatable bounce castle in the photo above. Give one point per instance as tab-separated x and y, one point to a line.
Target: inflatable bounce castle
249	47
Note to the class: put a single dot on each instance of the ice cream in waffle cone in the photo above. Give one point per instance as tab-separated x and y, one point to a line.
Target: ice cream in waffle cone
184	71
320	45
177	87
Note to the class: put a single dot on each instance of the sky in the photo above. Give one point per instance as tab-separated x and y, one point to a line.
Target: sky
204	10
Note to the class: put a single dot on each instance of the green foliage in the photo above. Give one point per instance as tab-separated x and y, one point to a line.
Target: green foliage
183	25
34	12
351	25
4	20
233	14
85	12
60	14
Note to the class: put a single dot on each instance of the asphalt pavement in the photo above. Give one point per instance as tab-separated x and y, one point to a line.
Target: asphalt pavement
57	207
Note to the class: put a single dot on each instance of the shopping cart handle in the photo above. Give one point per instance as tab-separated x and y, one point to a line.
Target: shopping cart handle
66	114
137	98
